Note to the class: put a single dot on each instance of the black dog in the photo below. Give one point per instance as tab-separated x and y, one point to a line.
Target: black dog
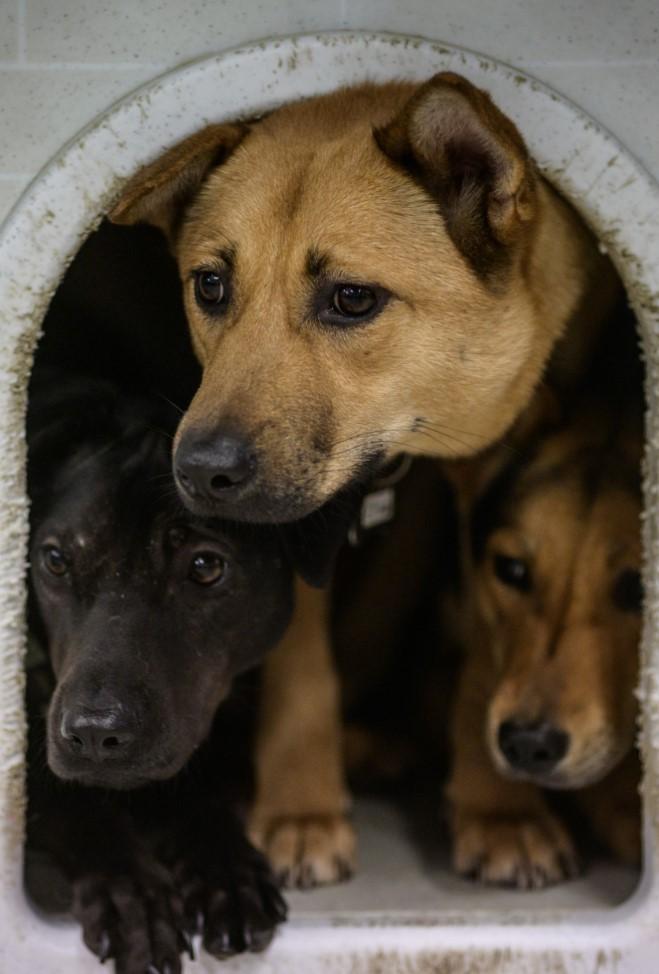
148	614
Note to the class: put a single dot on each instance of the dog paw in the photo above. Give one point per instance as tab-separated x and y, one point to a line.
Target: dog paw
527	852
135	918
231	897
307	851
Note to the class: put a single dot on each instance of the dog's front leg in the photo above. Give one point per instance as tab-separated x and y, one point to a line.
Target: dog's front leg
502	831
298	817
122	896
230	895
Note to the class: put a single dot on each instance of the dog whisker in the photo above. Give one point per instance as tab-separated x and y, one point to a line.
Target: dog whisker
443	437
171	402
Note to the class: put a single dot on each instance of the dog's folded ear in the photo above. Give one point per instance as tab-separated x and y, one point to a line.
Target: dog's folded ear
159	192
453	140
313	543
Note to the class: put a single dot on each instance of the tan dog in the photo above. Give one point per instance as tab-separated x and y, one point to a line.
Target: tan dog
550	616
375	270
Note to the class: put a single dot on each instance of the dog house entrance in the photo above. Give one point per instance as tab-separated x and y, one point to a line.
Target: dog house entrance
123	287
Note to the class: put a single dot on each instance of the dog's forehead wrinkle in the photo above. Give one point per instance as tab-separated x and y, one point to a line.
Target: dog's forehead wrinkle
322	191
291	195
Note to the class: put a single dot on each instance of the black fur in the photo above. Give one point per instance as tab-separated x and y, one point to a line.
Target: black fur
133	639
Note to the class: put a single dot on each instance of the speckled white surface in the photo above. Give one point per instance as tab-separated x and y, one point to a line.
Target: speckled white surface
621	202
11	188
623	96
36	138
519	31
158	30
604	54
9	30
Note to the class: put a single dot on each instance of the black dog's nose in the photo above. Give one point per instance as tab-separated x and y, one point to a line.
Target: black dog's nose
98	735
535	748
210	468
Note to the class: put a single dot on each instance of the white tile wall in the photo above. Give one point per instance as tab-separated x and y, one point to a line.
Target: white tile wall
525	32
624	97
8	30
63	61
40	109
11	188
163	30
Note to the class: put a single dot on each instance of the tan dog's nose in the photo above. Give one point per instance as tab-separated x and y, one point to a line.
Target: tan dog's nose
532	747
210	469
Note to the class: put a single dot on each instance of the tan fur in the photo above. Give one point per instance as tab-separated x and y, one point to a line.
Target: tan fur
564	653
299	766
486	269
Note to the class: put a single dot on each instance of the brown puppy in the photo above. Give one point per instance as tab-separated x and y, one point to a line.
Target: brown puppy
375	270
549	609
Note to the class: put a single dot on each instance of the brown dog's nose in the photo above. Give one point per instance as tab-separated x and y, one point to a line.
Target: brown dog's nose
98	735
209	469
534	748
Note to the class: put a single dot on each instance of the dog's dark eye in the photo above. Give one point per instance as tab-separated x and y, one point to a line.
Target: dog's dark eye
210	291
628	591
55	560
207	568
349	304
353	300
513	571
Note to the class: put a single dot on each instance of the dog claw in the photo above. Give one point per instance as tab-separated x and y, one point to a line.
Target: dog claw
570	866
104	948
185	943
152	969
220	945
344	870
256	941
283	877
279	906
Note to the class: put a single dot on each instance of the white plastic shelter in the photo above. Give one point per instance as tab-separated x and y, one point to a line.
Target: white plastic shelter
398	916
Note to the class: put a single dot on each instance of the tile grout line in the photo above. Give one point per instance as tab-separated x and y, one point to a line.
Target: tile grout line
644	62
22	64
55	66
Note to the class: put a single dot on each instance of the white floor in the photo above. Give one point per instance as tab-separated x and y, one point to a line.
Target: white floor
404	876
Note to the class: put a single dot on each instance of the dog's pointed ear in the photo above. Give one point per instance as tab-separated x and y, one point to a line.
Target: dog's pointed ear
313	543
159	192
470	157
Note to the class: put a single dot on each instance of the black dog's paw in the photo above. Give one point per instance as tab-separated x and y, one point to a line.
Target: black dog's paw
133	917
230	896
